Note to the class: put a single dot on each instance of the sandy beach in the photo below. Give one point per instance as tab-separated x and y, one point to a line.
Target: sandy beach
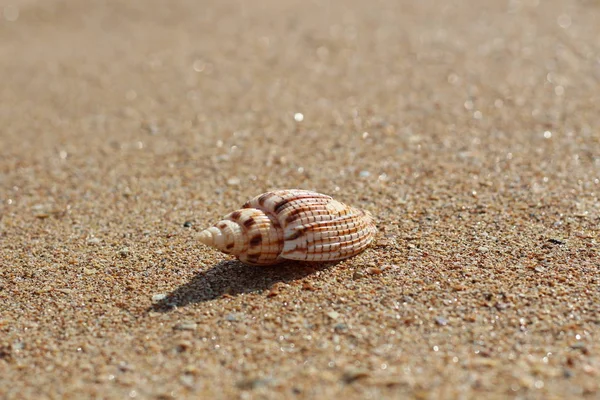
470	130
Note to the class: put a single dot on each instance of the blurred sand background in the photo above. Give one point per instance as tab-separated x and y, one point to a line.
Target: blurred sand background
469	129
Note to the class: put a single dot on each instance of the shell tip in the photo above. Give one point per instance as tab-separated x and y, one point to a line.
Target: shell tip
206	237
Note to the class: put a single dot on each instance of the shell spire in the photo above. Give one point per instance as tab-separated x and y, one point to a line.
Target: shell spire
291	224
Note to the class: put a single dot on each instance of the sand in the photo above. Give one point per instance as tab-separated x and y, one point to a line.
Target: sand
469	129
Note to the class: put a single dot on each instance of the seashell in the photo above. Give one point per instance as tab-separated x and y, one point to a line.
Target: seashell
294	225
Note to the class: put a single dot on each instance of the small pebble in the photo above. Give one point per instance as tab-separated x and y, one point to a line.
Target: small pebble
333	315
158	297
43	211
124	367
187	380
358	275
483	249
191	370
253	383
578	346
5	352
231	317
151	127
186	326
183	346
233	181
124	252
374	271
187	224
384	243
352	375
93	240
441	321
567	373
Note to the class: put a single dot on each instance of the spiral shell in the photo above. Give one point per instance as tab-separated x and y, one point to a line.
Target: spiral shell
291	224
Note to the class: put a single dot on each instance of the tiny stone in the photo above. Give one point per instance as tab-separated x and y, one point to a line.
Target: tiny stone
151	127
158	297
407	299
358	275
340	327
567	373
364	174
249	384
483	249
124	252
5	352
384	243
231	317
187	380
441	321
374	271
233	181
333	315
42	211
353	374
186	326
183	346
124	367
93	240
187	224
191	370
578	346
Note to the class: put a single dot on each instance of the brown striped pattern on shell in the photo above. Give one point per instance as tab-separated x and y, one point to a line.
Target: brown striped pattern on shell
292	224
